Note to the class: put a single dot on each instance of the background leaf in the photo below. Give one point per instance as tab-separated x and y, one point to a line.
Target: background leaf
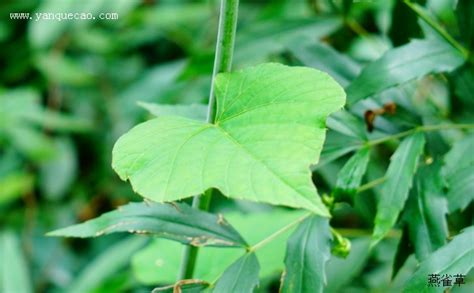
14	270
241	276
402	64
426	210
306	256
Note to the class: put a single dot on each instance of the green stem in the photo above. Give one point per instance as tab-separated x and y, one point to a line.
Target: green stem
280	231
423	128
222	63
441	31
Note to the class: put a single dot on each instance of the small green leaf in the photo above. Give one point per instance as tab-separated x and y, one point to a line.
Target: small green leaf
14	274
454	258
347	124
269	128
458	171
350	176
177	222
192	111
241	276
414	60
425	212
399	176
308	250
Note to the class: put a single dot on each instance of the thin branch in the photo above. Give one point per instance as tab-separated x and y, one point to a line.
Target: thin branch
222	63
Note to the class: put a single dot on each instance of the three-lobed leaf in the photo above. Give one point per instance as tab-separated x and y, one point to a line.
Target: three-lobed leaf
308	250
177	222
269	128
395	190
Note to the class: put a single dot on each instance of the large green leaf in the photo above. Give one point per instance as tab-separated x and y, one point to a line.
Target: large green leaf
455	258
458	171
14	274
269	128
241	276
425	213
399	180
178	222
308	250
414	60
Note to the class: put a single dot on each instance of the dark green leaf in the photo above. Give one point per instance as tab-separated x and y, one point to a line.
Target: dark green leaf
465	14
454	258
241	276
425	212
402	64
13	267
177	222
399	176
308	250
404	250
350	176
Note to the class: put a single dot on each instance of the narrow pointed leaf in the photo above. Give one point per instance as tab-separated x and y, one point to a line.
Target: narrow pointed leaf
425	213
454	258
399	65
241	276
269	128
308	250
179	222
395	190
350	176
